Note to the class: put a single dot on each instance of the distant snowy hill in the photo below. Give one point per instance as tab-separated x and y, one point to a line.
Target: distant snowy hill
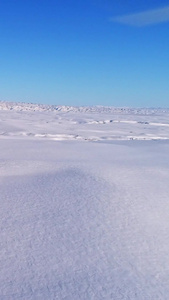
19	106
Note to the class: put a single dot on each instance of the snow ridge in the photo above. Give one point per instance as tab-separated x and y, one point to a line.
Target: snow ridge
90	123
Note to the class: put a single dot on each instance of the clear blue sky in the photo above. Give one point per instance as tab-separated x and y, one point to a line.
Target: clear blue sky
92	52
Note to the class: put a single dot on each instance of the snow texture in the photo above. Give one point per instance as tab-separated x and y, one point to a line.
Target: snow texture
84	203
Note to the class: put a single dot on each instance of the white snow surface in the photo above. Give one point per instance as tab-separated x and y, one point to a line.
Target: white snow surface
84	203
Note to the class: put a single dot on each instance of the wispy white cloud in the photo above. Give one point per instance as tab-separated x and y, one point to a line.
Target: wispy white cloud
145	18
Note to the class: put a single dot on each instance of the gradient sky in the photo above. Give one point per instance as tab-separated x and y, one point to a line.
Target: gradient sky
92	52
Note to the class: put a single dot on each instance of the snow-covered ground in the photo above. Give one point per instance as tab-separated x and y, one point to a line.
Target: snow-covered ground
84	203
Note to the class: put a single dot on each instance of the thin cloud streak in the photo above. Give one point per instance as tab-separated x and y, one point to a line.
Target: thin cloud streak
145	18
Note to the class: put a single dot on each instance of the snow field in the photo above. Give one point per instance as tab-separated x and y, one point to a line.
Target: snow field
82	220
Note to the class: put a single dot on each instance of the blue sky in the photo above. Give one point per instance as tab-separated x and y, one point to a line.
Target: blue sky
92	52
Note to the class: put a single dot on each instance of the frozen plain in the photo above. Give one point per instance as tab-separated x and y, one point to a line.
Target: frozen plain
84	196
